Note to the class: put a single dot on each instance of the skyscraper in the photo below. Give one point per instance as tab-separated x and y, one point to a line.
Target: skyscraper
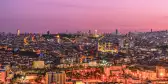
116	31
48	32
18	32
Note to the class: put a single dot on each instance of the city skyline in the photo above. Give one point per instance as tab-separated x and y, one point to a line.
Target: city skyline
83	42
74	15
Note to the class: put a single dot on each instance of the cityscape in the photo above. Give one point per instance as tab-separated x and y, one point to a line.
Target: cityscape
84	57
83	42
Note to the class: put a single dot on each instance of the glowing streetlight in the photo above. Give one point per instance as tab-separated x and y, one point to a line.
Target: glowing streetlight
161	74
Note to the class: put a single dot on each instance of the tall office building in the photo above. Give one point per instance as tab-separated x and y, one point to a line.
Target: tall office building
116	31
18	32
48	32
55	77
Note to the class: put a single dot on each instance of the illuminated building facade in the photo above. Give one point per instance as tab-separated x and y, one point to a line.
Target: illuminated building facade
55	78
85	58
126	43
96	34
58	38
107	47
18	32
33	38
38	64
161	72
25	41
3	76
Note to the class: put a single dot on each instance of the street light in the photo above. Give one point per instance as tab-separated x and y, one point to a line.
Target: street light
22	78
161	74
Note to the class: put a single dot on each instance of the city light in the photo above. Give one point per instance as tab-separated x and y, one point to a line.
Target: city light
83	42
161	74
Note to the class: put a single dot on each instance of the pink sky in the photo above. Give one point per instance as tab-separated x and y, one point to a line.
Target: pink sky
83	15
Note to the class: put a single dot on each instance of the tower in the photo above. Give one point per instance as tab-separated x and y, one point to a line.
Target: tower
48	32
18	32
151	30
116	31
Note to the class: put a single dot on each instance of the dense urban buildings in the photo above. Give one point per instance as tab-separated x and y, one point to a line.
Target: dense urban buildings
84	58
83	42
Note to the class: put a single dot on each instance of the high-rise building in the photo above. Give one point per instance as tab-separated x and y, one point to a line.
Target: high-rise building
116	31
55	77
18	32
48	32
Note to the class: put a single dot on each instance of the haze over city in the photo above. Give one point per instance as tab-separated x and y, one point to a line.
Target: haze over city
83	15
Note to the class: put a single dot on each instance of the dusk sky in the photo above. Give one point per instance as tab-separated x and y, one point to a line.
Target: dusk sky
83	15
